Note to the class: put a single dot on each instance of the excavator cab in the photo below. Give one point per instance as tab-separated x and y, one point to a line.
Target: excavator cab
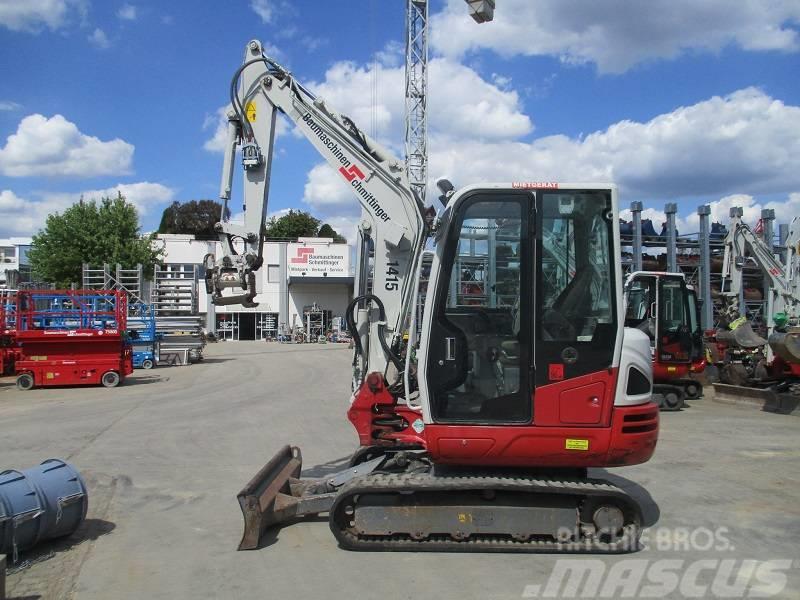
664	307
525	279
674	335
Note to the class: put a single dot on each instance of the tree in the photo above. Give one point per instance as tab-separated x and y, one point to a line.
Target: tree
326	231
292	225
196	217
88	232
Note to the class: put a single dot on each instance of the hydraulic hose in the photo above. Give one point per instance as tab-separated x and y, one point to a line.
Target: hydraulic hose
351	325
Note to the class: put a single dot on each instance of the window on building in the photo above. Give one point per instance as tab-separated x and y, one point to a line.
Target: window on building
273	274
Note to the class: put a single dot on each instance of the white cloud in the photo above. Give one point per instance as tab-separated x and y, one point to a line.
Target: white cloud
465	106
17	215
746	142
25	216
325	189
99	39
55	146
127	12
145	195
461	102
219	121
35	15
785	210
617	34
731	148
344	225
8	106
263	8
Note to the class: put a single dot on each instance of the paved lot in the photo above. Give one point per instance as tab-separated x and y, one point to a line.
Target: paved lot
165	454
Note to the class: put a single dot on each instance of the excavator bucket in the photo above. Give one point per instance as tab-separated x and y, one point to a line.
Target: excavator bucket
742	337
786	345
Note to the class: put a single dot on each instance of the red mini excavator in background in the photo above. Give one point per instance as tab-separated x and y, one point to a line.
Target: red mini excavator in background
664	307
477	432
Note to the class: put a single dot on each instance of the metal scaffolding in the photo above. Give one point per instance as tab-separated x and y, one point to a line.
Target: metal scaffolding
699	257
417	95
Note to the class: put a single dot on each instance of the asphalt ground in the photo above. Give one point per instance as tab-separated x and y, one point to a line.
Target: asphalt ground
165	454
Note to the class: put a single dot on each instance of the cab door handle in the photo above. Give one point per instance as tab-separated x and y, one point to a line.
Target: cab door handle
450	348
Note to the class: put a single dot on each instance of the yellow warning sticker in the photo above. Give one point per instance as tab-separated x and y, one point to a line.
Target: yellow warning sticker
576	444
49	376
250	111
737	323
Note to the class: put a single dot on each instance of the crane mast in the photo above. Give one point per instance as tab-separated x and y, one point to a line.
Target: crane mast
416	114
417	95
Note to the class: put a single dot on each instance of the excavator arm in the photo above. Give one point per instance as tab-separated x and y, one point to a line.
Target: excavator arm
742	245
393	223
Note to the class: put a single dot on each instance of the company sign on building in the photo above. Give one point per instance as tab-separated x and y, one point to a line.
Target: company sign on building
311	259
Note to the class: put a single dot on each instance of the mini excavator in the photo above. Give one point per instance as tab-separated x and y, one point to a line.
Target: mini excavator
478	425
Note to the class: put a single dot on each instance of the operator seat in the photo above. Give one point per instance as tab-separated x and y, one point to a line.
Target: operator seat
572	304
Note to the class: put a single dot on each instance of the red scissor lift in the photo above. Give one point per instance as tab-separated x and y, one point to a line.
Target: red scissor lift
71	337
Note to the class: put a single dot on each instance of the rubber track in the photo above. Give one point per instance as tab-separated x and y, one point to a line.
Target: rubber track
388	483
661	389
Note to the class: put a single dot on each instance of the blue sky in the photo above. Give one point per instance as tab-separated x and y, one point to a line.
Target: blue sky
682	101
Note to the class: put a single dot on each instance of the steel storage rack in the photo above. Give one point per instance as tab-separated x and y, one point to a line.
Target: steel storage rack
72	337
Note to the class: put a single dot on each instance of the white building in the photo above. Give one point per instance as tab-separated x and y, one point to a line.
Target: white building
294	277
13	255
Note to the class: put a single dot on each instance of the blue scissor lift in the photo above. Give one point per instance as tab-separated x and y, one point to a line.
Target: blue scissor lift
142	336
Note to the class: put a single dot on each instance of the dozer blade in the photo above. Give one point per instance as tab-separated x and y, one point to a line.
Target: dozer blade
277	494
260	498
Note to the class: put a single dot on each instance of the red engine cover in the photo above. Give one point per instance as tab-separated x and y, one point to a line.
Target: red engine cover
575	425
